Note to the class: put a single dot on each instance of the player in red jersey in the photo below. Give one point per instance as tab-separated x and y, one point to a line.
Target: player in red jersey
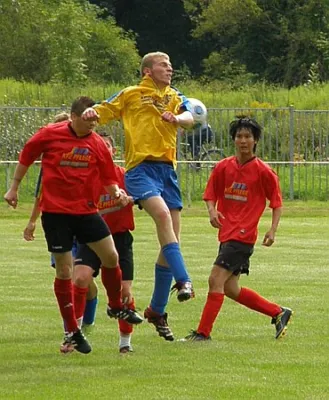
120	220
73	158
236	195
92	295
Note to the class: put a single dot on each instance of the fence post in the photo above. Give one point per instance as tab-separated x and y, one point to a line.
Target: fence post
291	152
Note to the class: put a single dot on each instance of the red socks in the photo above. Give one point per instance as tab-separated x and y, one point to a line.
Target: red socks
124	327
64	293
210	311
80	298
112	280
253	300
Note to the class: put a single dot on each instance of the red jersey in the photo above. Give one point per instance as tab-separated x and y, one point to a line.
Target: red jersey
240	192
70	167
118	219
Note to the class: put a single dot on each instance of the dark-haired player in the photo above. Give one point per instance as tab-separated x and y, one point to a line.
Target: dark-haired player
73	158
236	195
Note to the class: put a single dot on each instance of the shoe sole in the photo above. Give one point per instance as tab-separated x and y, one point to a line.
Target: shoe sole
184	297
284	330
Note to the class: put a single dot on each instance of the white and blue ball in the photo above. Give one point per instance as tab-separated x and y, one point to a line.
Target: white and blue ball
199	112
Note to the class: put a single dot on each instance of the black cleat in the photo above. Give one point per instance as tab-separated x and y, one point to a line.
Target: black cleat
281	321
160	323
184	291
195	336
130	316
75	341
125	350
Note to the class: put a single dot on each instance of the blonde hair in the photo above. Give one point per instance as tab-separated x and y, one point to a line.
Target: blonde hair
149	58
63	116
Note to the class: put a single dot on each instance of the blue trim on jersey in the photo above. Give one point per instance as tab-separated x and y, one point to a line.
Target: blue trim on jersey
117	94
186	105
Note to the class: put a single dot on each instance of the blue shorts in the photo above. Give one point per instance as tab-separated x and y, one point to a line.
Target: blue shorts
154	178
74	252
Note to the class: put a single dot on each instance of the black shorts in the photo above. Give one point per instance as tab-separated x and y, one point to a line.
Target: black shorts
60	230
123	243
234	256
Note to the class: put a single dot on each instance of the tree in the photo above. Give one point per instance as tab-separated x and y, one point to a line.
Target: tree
54	41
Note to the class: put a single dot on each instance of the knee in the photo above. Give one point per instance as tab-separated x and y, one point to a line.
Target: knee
231	291
82	278
162	217
63	271
213	283
111	259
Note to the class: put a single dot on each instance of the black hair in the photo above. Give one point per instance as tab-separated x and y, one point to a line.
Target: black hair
246	123
80	104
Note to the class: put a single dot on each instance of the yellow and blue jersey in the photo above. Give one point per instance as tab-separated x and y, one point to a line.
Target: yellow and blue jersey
147	136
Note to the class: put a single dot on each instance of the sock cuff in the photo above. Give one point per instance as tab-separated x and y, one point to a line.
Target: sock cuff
215	296
81	290
168	246
62	283
162	269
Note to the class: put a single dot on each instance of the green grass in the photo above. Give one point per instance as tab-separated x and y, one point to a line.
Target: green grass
243	361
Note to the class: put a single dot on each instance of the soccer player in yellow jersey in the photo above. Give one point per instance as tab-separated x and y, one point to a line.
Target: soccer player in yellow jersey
151	112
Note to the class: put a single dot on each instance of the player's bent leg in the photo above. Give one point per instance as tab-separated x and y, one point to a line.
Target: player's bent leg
105	250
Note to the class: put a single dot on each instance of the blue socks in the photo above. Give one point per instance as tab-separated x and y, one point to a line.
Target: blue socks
162	285
90	311
175	261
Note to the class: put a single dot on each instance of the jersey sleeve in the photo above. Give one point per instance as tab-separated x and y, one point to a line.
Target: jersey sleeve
111	108
34	147
272	188
215	184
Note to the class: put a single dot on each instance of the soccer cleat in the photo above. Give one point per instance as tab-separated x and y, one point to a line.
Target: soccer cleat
195	336
75	341
130	316
281	321
125	350
160	323
184	291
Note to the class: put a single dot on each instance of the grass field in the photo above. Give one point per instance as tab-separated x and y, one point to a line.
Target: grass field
243	361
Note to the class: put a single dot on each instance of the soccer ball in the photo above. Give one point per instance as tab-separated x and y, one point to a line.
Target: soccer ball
199	112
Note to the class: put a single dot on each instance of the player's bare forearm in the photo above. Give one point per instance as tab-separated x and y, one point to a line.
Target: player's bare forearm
269	236
19	174
185	120
276	215
35	211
